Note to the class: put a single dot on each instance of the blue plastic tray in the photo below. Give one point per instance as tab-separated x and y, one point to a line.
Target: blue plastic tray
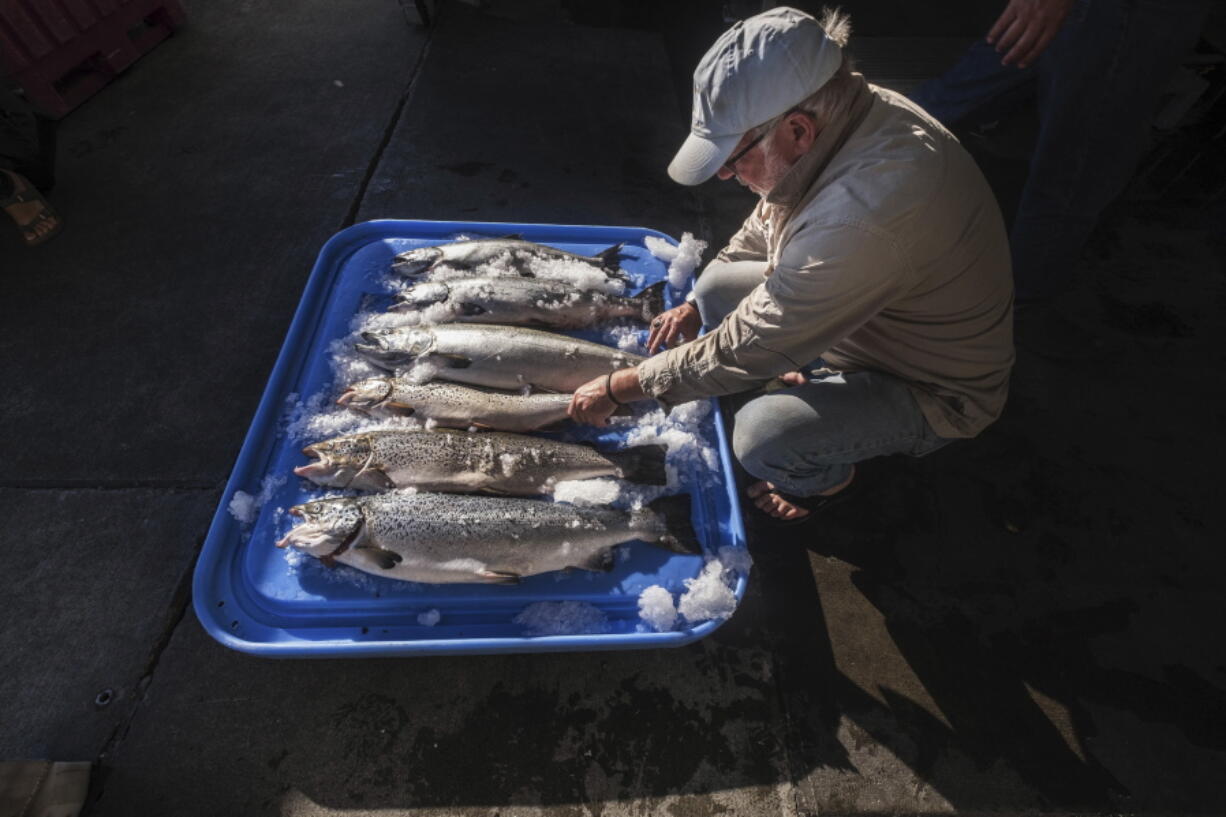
251	597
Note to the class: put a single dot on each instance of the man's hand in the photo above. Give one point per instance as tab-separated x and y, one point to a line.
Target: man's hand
678	324
1025	29
591	404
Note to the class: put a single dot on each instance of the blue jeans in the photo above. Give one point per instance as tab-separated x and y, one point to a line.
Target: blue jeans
805	439
1097	85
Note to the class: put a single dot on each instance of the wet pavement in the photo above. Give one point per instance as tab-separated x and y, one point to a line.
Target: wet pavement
1026	622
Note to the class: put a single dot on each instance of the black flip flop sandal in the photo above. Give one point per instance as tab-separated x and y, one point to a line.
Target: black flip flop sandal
26	193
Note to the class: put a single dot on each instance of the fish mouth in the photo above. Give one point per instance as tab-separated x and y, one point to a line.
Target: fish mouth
313	469
382	357
351	400
288	539
376	349
415	263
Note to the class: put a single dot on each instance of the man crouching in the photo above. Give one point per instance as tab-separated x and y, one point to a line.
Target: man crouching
873	275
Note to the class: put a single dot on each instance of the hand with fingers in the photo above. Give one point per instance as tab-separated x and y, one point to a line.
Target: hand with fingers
1026	27
592	403
671	328
595	401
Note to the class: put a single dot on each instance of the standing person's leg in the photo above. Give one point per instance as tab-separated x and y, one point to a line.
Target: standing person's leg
804	442
20	137
23	166
975	86
1099	85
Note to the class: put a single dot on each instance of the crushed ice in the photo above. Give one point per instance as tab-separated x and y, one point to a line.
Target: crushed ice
562	618
708	596
245	508
656	607
683	259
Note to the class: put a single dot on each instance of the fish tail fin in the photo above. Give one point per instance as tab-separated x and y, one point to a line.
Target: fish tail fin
679	536
611	258
643	464
651	301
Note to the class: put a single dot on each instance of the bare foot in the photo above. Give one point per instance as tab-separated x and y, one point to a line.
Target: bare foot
765	496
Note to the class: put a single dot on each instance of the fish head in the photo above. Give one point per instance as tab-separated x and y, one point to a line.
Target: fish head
367	396
390	348
337	461
416	262
421	296
326	525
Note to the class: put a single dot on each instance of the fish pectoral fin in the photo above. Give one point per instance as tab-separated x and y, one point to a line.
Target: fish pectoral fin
399	408
456	361
601	561
373	479
498	577
384	558
467	308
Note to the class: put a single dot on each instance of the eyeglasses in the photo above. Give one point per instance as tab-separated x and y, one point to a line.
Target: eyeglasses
730	165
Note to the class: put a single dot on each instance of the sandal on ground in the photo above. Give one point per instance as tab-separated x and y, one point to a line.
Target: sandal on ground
26	193
813	504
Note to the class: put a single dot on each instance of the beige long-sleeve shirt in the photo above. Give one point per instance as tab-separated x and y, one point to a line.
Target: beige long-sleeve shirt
885	250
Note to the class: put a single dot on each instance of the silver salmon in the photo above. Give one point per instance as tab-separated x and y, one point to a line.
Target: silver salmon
501	357
490	462
445	538
471	256
525	302
454	405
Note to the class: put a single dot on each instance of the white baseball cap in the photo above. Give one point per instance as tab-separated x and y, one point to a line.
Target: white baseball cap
756	70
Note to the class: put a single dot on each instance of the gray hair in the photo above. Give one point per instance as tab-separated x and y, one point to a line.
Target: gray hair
834	94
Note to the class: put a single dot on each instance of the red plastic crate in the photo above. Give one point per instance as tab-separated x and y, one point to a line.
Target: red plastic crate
63	51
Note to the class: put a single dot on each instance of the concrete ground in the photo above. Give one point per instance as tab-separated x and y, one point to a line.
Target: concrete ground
1029	622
